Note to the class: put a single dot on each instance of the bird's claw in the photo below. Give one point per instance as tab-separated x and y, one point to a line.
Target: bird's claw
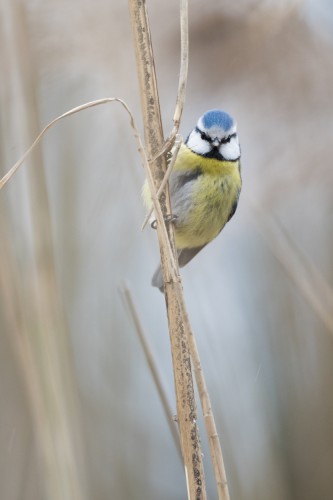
168	219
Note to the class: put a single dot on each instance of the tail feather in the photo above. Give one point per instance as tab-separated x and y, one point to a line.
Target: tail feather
184	256
157	279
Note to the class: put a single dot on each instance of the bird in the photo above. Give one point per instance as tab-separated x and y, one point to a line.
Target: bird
204	185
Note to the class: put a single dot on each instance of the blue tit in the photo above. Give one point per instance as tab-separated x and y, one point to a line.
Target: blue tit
204	185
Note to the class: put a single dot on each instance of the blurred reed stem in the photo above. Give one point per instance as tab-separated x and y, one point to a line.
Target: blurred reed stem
36	317
304	274
152	367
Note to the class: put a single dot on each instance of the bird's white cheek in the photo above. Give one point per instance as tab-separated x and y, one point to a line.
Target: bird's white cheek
197	144
231	150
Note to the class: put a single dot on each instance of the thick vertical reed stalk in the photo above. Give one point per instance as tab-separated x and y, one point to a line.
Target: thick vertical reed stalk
186	408
211	430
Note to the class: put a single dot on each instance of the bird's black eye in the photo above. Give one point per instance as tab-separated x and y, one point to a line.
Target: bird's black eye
228	138
204	136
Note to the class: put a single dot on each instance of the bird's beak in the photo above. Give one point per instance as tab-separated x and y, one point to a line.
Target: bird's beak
216	142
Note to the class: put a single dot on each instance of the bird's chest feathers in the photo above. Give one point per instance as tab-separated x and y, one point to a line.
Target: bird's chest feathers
205	201
213	197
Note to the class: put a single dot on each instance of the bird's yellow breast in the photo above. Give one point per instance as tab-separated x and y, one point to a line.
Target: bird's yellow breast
213	196
203	202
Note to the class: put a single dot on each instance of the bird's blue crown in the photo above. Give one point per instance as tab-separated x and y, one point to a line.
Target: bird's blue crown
217	118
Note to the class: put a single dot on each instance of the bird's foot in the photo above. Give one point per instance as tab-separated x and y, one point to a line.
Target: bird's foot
169	218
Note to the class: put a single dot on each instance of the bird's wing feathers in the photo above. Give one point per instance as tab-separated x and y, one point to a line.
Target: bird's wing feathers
233	210
187	254
157	279
184	256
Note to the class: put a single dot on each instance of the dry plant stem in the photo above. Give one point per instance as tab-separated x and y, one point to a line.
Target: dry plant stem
182	76
178	143
82	107
183	64
212	435
213	439
70	112
106	100
152	366
186	410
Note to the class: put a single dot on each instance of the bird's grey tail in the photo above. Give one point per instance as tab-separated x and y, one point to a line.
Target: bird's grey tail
184	256
157	279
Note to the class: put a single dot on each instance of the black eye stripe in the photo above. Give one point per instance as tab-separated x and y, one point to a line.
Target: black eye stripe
206	137
228	139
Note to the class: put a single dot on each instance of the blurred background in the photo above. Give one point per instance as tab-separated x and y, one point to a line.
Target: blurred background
80	415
